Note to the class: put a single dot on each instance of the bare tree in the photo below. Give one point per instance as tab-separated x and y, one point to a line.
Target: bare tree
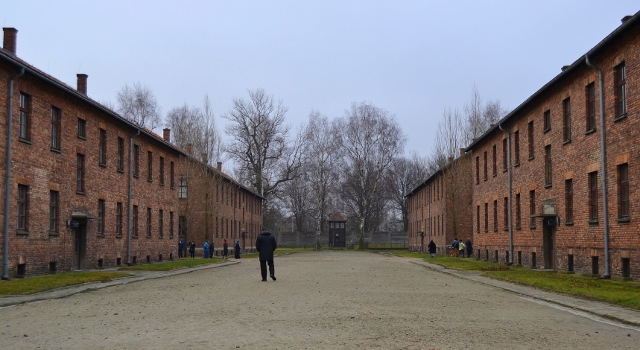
138	104
404	175
370	138
260	142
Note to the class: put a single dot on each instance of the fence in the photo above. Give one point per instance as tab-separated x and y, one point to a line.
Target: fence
388	240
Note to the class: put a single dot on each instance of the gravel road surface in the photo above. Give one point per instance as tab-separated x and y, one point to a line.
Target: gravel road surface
321	300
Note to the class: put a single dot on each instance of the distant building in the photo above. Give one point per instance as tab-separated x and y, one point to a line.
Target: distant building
337	230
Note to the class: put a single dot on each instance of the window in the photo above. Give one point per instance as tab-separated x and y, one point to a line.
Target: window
548	175
53	211
118	219
568	201
161	171
149	166
477	172
530	139
182	225
620	81
182	193
505	153
160	223
82	128
486	217
505	213
80	173
485	165
518	212
590	92
170	224
120	154
593	196
495	216
134	221
547	120
172	175
102	148
623	191
494	157
566	120
25	117
23	208
101	214
532	208
478	219
148	222
56	116
516	148
136	160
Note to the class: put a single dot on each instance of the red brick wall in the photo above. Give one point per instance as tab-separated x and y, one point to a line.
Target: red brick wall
570	160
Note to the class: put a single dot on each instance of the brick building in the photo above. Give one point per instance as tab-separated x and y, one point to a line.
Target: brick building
554	181
440	207
85	188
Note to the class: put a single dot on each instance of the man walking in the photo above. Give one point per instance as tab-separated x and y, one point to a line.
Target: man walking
265	245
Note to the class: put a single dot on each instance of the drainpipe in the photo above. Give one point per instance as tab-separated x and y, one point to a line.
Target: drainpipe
510	184
7	188
129	197
603	165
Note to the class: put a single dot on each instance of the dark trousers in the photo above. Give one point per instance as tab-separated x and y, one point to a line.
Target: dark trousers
263	268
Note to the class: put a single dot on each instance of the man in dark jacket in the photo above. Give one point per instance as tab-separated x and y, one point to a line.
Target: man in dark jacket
265	245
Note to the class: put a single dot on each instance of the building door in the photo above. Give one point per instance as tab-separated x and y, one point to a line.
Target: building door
80	244
548	242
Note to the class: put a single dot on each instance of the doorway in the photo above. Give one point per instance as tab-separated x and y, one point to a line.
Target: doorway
80	245
548	242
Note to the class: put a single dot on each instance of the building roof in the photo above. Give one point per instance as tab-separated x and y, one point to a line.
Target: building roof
337	216
628	21
20	63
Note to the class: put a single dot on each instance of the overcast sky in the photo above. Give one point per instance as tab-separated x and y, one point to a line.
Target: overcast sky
412	58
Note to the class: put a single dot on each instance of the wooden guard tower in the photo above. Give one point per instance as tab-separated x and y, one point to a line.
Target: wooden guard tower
337	230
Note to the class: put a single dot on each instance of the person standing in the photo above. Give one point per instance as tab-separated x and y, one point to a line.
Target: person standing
469	247
454	247
205	248
265	245
192	249
432	249
212	250
180	248
225	249
236	250
461	247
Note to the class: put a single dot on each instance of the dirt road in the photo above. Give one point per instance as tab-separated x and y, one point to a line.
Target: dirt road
321	300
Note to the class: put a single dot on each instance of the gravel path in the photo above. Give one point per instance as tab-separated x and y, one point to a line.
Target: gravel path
321	300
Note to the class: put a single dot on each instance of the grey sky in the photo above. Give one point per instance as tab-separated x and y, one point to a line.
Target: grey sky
412	58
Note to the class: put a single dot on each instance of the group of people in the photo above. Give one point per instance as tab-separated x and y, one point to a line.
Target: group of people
191	247
208	250
457	248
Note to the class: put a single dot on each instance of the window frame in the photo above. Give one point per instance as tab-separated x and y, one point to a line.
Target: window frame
624	205
546	117
183	188
22	208
56	129
516	147
80	173
54	203
532	209
548	167
101	216
119	219
102	148
24	120
566	120
531	140
590	108
593	196
134	221
120	159
150	166
620	95
149	222
82	129
568	201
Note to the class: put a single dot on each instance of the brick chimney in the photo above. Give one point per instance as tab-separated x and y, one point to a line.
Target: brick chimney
166	134
219	166
82	83
189	148
10	39
204	157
